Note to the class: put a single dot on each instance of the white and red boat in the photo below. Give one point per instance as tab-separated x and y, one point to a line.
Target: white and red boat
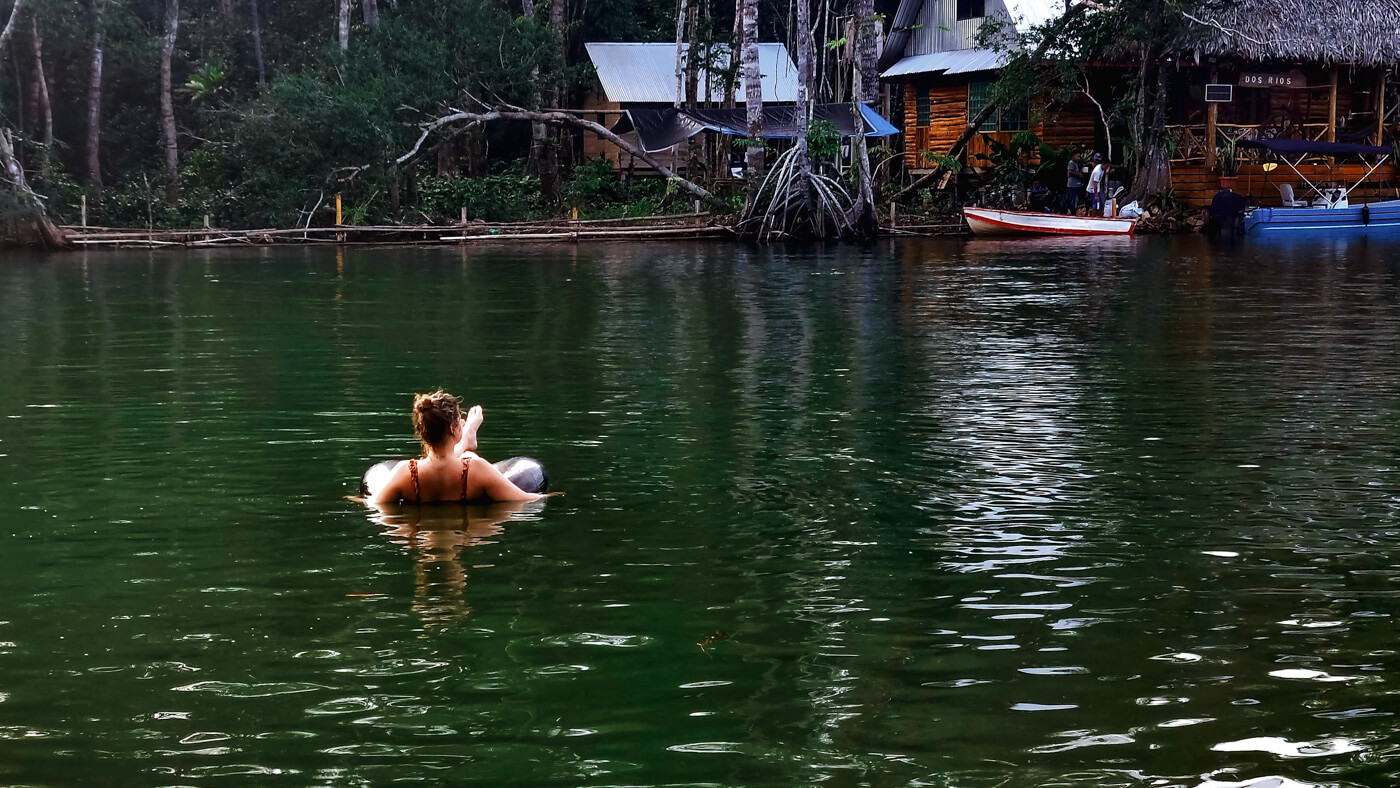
990	221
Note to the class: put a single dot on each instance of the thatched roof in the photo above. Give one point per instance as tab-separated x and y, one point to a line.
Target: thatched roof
1360	32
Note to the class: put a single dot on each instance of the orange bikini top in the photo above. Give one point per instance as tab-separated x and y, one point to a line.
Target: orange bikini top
417	492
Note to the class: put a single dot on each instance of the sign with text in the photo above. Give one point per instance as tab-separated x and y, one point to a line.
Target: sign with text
1249	80
1220	94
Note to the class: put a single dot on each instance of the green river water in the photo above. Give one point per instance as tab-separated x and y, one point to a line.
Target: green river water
950	513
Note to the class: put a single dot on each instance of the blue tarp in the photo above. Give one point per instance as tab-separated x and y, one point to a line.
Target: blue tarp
1314	148
659	129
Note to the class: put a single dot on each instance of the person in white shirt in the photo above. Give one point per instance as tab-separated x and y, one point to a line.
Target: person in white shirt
1098	184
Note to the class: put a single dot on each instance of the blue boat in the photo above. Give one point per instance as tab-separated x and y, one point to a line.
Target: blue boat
1331	212
1376	217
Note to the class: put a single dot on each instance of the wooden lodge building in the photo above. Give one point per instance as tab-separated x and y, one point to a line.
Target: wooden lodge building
932	52
1301	69
643	76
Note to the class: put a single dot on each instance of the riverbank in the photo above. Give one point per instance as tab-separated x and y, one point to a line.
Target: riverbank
670	226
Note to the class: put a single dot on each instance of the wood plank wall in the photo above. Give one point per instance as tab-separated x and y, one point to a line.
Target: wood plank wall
1074	124
947	118
1196	185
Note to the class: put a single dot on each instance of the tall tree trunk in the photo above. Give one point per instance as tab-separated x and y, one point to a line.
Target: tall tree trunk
753	95
682	11
94	99
862	214
167	103
370	9
1154	170
692	57
804	107
867	51
558	97
226	10
256	19
540	160
43	102
342	23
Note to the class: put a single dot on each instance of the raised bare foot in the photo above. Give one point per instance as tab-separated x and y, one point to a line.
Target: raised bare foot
473	423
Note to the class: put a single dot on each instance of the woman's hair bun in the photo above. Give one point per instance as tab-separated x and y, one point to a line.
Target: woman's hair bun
435	414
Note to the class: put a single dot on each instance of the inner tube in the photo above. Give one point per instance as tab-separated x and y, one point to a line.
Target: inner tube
527	473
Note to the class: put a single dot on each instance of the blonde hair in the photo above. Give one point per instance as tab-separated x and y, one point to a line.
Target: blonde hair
435	415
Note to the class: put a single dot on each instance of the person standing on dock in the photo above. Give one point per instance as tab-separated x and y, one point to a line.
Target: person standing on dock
1074	184
1098	181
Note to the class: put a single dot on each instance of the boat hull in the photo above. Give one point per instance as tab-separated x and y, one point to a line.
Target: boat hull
1376	217
989	221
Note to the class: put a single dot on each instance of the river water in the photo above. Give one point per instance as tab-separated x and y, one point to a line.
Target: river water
947	513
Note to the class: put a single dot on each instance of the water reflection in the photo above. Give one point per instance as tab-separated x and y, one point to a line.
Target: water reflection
975	514
435	536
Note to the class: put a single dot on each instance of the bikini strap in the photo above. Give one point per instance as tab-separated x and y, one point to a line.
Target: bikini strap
466	466
413	471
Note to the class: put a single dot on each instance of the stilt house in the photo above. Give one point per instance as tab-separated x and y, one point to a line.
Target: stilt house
932	52
1291	69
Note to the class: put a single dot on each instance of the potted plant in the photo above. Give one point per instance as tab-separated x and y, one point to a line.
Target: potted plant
1227	163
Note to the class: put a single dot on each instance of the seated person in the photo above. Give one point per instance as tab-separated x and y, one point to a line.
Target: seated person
449	470
1038	196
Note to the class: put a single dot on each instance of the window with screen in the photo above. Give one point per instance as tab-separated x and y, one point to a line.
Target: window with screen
978	94
921	108
971	9
1016	117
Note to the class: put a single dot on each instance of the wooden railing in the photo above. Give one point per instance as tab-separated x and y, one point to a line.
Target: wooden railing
1188	142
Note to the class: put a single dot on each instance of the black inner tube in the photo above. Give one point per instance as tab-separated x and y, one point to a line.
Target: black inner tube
527	473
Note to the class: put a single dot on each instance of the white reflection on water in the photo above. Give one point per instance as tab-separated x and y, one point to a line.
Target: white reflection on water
1284	748
1264	782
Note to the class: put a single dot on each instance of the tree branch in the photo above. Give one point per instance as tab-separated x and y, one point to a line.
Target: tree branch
557	118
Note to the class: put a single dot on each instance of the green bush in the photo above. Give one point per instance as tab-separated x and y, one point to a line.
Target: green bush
490	198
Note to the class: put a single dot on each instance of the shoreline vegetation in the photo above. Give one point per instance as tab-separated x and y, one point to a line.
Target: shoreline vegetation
162	122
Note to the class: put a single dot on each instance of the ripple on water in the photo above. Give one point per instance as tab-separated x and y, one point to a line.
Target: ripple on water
233	689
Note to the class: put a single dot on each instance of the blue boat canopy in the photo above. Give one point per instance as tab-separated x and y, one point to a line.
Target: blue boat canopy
1315	148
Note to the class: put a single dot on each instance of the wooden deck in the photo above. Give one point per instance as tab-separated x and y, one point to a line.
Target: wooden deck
1195	185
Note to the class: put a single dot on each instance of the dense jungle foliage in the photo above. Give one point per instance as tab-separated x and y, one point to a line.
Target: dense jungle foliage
275	109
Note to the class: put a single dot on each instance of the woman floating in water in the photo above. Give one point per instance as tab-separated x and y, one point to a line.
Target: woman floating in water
450	470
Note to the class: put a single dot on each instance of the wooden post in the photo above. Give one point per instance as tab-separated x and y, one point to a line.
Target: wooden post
1212	113
82	209
464	216
1332	109
1380	107
337	209
1332	116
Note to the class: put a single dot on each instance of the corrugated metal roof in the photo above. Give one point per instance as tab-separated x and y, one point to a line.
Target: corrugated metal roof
646	73
922	28
900	28
1029	13
958	61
